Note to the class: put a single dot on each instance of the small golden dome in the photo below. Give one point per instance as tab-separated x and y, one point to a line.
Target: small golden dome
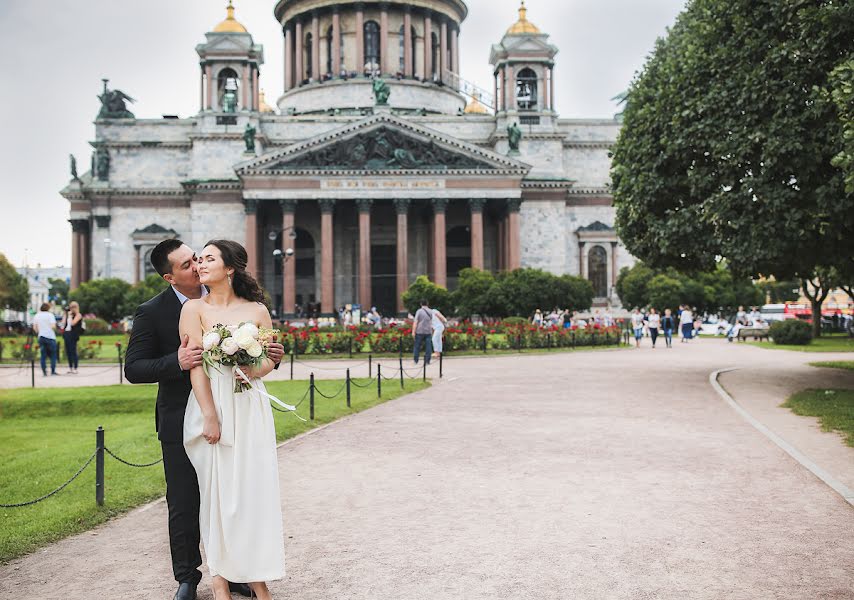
230	25
523	25
262	103
476	108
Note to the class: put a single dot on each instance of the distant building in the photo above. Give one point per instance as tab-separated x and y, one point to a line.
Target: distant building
37	280
380	164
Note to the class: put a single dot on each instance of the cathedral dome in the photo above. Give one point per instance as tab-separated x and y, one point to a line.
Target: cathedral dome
523	25
230	24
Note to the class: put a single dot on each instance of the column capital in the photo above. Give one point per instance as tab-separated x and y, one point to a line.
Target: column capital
613	245
250	206
79	225
364	204
477	204
102	221
514	204
401	205
581	244
327	205
439	204
288	206
137	247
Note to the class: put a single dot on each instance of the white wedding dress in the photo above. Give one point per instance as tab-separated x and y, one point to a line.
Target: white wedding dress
240	512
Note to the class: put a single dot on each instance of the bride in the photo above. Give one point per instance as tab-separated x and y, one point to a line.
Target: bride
231	438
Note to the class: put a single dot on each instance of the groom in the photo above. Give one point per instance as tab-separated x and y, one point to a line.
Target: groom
155	354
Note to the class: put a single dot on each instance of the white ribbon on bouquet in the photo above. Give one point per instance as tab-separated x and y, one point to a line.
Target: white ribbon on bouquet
242	375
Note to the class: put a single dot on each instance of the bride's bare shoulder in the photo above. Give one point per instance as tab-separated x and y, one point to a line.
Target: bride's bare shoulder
261	314
194	306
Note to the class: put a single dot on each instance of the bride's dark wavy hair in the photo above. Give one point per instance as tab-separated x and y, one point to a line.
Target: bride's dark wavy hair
244	285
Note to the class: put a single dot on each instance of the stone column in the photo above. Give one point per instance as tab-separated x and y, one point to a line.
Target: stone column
85	251
251	210
514	249
546	88
327	263
245	85
495	93
440	262
75	253
208	76
407	42
256	74
315	47
455	50
299	71
360	39
510	90
428	46
613	263
201	88
385	63
289	272
552	88
401	206
476	205
336	42
581	259
502	244
136	261
364	206
443	50
289	56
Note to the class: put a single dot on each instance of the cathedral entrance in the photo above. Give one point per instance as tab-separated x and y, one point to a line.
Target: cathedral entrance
383	280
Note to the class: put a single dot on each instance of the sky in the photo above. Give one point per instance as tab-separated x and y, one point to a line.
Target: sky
54	55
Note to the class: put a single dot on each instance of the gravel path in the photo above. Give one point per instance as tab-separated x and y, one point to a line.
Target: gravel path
601	475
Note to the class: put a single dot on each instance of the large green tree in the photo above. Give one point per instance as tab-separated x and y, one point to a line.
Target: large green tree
14	289
104	297
59	290
733	143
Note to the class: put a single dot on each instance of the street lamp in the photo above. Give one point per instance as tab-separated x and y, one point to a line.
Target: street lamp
289	252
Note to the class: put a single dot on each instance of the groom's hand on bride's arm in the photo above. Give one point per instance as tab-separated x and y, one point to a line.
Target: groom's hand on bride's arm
189	355
275	352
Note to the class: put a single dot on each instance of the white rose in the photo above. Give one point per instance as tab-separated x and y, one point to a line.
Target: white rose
229	346
255	350
210	339
249	328
243	339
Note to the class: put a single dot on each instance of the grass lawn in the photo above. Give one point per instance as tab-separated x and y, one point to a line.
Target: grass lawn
835	364
839	342
48	434
834	409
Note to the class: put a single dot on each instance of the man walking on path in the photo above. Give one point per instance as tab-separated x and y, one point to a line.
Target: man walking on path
422	329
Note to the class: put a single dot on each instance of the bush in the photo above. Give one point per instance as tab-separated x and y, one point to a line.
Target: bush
791	331
424	289
95	327
511	321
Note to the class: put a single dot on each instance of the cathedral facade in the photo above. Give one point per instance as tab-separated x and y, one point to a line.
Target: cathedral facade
379	163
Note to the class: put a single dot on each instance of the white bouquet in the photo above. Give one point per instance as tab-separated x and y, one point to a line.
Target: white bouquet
244	345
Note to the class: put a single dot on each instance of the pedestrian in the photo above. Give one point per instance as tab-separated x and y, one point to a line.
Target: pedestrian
686	323
538	318
44	324
668	324
439	322
741	316
637	326
422	329
72	329
653	323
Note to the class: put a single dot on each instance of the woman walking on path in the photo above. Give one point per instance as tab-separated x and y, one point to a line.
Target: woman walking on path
439	321
686	324
72	329
653	323
637	326
668	324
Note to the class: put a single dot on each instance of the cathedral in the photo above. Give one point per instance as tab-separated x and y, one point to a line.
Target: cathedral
379	162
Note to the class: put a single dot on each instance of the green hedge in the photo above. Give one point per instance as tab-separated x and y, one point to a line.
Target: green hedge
791	332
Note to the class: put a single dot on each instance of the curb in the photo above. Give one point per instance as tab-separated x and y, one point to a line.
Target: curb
824	476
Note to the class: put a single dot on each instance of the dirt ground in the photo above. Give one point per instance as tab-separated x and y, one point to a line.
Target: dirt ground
600	475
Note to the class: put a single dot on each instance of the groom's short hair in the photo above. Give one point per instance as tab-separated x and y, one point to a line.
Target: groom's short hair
160	255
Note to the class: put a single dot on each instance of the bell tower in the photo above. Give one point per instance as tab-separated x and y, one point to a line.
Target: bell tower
230	68
523	66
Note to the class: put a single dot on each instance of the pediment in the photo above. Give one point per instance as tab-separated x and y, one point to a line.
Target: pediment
227	43
529	43
383	143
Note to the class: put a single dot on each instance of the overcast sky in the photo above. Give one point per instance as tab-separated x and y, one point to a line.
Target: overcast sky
55	53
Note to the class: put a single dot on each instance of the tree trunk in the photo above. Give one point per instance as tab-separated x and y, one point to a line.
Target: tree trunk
816	317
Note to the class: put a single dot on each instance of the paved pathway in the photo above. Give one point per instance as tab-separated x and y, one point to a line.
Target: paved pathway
601	475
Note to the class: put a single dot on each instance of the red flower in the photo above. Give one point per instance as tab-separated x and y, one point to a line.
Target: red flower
329	335
314	330
26	346
574	327
118	344
491	331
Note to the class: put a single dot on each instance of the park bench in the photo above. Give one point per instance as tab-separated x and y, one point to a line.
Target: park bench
757	333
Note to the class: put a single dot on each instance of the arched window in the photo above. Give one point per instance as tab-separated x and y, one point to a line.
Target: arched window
330	48
434	55
309	55
372	47
227	86
526	90
597	271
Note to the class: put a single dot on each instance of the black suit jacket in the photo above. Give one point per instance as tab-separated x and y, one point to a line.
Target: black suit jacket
152	357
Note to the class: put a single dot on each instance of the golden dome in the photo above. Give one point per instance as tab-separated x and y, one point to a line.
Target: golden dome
523	25
476	108
262	104
230	25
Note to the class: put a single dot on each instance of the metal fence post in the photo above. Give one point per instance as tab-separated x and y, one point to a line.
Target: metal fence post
292	366
99	466
401	372
379	381
348	388
119	349
370	370
311	397
351	347
484	343
400	346
424	376
33	371
441	354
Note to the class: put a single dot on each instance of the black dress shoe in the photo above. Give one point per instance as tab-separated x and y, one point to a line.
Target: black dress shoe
240	588
186	591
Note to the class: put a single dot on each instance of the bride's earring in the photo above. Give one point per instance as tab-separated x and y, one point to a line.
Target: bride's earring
229	280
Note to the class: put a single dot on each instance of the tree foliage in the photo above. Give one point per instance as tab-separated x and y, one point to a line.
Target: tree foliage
103	297
736	143
143	291
472	294
59	290
14	289
424	289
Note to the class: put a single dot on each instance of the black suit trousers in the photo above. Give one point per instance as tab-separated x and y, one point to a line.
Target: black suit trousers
182	499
